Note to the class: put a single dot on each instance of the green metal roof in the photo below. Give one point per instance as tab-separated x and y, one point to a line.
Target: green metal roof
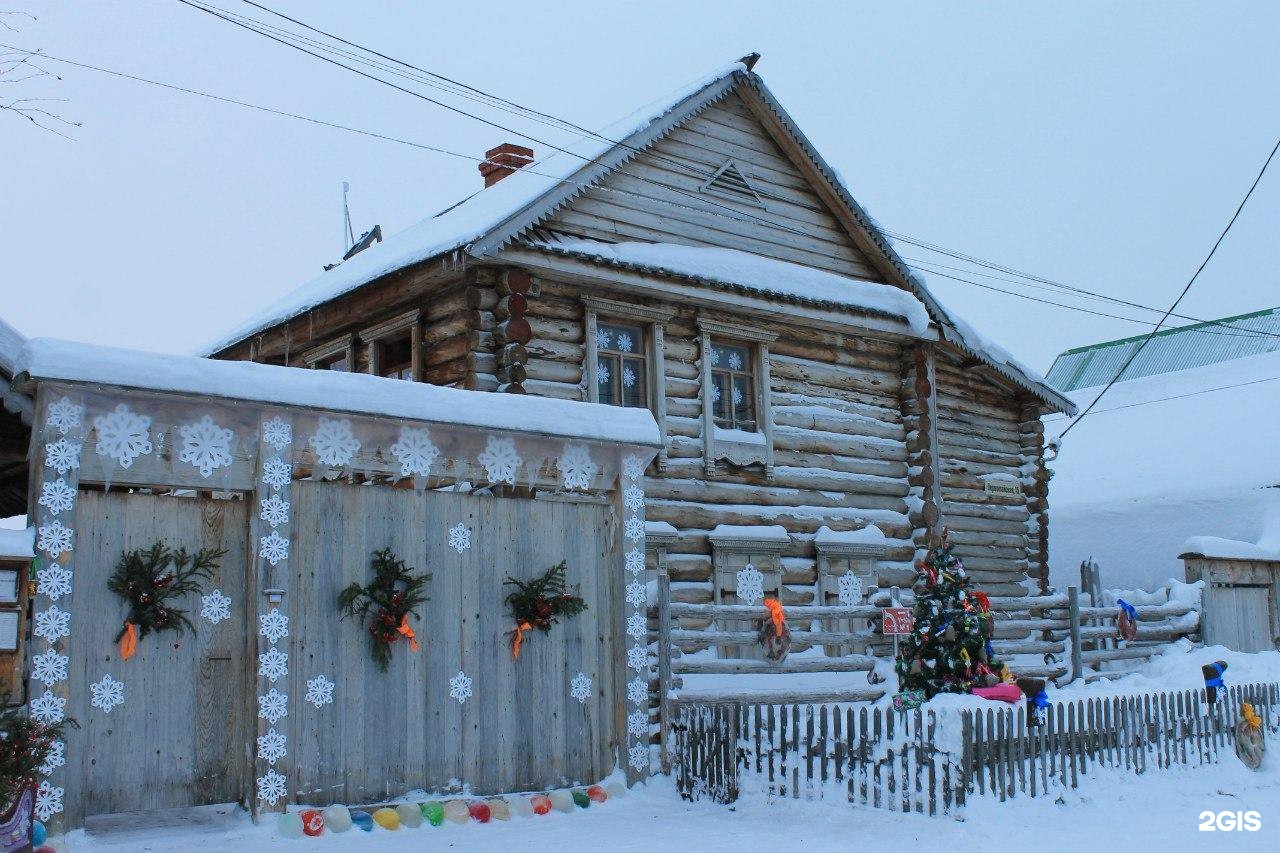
1180	348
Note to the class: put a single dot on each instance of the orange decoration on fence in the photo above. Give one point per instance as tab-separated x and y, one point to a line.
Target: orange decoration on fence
407	632
129	642
775	613
517	637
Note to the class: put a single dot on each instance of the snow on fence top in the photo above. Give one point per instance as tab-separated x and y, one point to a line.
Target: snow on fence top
462	223
1227	549
17	544
357	393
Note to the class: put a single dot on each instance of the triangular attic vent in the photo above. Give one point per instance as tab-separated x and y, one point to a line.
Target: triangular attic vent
730	182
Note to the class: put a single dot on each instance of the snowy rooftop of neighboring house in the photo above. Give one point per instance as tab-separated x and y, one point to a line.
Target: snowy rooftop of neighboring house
56	360
17	544
11	342
1182	433
1184	347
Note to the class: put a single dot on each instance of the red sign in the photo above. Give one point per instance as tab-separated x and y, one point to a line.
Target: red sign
896	621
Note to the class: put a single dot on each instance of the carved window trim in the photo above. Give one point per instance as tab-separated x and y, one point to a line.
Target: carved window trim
375	336
318	357
717	447
596	309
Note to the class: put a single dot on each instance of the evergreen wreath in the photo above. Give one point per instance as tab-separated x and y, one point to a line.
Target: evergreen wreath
24	746
391	598
539	603
150	580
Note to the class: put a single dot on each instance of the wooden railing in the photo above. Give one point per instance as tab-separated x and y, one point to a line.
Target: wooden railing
894	760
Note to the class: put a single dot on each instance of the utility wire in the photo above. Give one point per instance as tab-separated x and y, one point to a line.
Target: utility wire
1057	418
1138	349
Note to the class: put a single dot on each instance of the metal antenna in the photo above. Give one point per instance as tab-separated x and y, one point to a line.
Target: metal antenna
349	234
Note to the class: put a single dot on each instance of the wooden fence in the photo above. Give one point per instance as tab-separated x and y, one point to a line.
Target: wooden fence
929	762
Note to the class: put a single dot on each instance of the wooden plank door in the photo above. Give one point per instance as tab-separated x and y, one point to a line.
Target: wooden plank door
181	736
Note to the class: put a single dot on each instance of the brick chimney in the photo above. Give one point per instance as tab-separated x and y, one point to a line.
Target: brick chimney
503	160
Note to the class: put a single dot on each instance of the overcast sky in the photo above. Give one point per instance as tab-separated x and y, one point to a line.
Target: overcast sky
1103	145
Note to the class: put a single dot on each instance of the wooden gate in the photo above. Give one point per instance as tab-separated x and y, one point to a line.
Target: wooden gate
389	732
181	737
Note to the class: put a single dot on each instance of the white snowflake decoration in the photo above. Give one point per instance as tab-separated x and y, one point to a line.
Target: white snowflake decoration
632	466
48	800
715	393
53	624
62	455
638	657
277	432
633	498
415	451
633	528
319	691
49	667
577	471
715	356
459	537
625	342
500	460
273	625
274	548
271	787
737	396
273	664
123	435
602	373
48	708
275	511
273	705
333	442
276	473
628	376
580	687
460	687
65	415
602	338
272	746
107	694
638	691
54	538
54	581
850	589
56	496
215	607
635	593
636	625
750	585
735	361
206	446
56	757
635	561
637	723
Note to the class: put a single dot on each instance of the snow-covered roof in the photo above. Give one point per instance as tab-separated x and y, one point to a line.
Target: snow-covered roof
56	360
17	544
1228	549
11	342
487	220
736	269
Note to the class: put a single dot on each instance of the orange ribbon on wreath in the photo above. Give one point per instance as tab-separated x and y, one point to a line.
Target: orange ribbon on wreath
128	641
517	637
775	613
407	632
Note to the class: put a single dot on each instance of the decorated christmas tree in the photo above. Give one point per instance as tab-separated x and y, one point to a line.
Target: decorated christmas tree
949	648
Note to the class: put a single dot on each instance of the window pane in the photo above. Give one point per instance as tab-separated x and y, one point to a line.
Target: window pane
635	385
721	410
735	358
339	363
396	358
743	403
607	379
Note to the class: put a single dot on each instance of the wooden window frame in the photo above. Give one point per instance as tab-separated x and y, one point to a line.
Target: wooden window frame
717	447
731	552
653	320
318	357
373	338
642	354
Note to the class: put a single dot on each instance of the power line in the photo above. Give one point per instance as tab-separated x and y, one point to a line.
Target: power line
1184	292
1174	397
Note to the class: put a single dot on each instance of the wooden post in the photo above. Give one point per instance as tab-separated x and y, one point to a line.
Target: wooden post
664	666
629	505
1077	665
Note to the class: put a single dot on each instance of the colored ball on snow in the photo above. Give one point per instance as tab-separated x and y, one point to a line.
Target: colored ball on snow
617	790
290	825
433	812
362	820
541	803
520	806
45	848
499	809
410	815
580	798
312	822
597	794
562	801
479	811
456	811
387	818
337	818
38	833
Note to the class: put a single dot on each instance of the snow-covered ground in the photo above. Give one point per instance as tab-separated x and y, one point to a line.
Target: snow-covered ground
1161	810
